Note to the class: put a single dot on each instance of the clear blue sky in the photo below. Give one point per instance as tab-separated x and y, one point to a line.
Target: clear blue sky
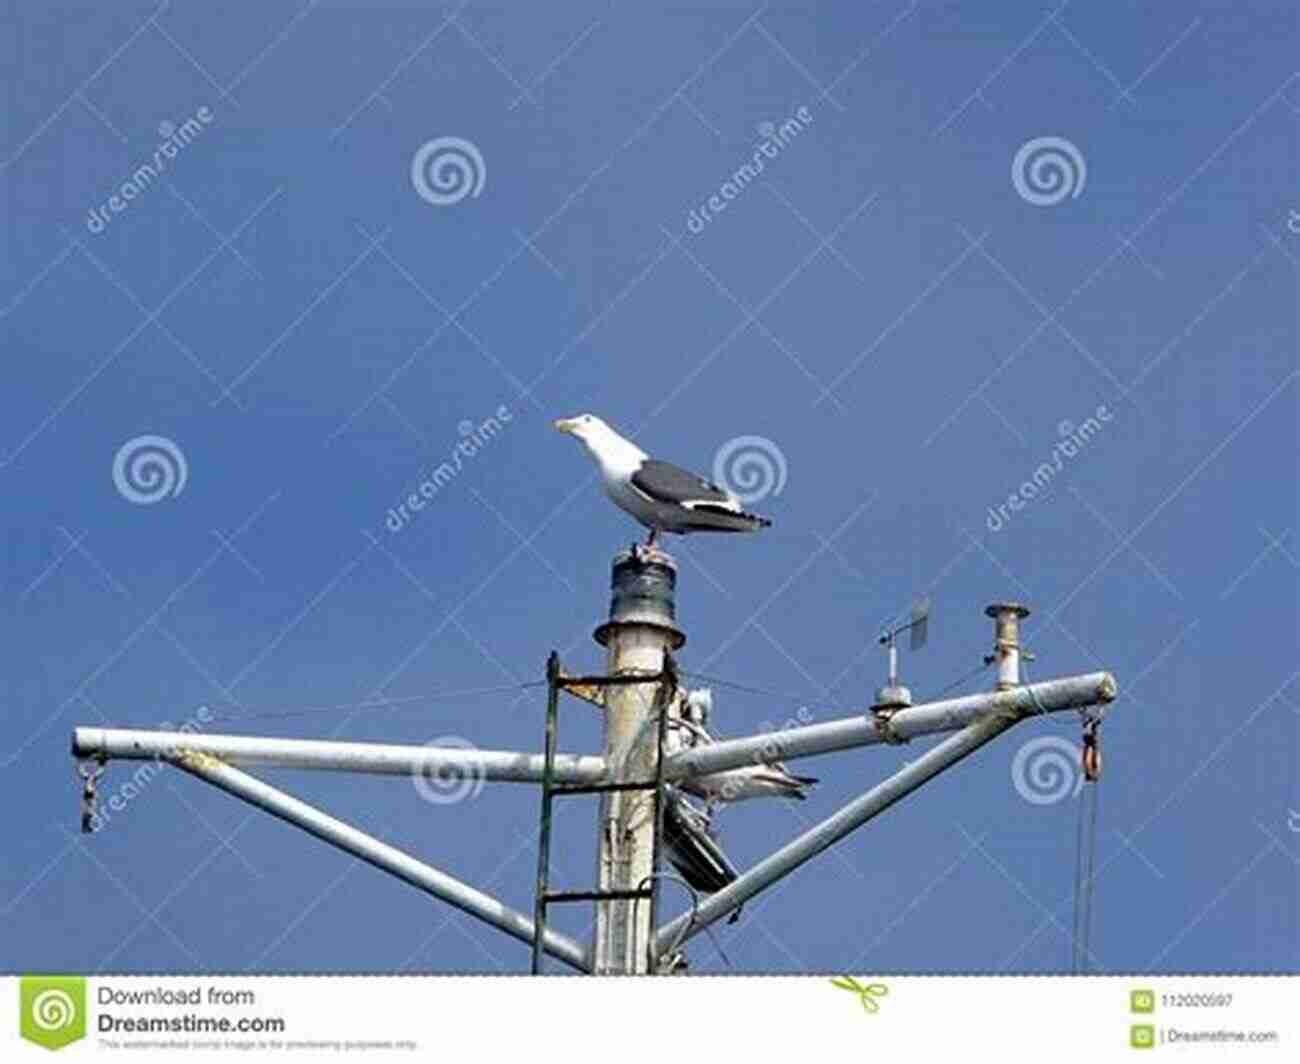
881	303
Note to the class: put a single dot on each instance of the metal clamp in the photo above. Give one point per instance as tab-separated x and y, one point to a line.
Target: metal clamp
885	726
1091	755
89	777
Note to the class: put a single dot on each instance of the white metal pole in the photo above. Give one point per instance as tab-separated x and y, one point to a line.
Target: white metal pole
1006	641
639	634
1050	696
252	751
380	854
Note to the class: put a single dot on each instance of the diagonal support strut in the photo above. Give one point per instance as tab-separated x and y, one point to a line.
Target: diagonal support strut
384	857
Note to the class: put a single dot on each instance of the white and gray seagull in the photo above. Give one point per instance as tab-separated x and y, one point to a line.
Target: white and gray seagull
770	779
662	496
692	847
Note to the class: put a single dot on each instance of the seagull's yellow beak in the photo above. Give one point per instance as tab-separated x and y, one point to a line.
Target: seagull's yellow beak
566	424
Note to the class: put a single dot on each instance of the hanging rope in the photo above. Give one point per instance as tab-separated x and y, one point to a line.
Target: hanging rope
1085	834
1085	858
1089	882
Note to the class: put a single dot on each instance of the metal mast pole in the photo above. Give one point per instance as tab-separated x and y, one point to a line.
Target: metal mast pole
640	633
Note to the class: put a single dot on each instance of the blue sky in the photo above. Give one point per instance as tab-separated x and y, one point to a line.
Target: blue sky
912	334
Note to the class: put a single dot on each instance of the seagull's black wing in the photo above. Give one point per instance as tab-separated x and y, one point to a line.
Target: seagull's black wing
692	849
665	482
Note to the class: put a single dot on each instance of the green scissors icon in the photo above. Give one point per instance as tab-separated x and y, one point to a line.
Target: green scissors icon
866	994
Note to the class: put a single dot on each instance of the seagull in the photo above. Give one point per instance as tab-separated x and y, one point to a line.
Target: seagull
770	779
690	846
662	496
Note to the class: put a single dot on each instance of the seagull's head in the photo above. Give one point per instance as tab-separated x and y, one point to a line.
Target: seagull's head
605	445
587	427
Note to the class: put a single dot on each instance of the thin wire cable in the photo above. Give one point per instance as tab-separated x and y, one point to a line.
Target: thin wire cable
1077	892
1041	710
810	701
963	679
377	703
1088	891
803	699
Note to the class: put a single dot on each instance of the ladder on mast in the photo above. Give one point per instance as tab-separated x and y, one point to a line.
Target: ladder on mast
558	682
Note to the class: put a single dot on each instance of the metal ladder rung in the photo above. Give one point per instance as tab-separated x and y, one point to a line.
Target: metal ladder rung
602	788
596	895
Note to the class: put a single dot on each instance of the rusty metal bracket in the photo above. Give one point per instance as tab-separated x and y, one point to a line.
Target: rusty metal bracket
884	724
89	782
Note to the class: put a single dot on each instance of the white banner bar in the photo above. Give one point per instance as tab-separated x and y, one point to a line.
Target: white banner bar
682	1020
